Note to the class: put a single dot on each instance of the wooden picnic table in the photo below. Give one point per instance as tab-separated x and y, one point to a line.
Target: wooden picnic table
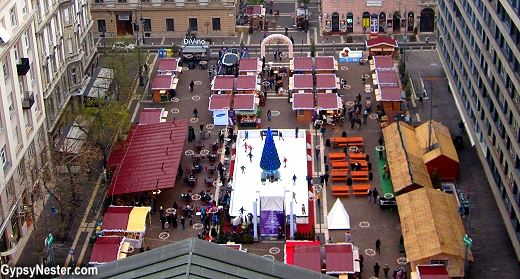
340	165
359	173
337	156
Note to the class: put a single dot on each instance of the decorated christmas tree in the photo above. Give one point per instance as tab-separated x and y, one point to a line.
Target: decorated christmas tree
270	160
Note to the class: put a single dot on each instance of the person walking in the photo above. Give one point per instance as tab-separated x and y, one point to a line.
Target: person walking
161	211
352	122
365	116
378	246
292	40
243	168
250	155
385	270
426	40
190	217
163	221
385	172
284	162
269	115
380	152
303	209
376	269
183	223
195	112
294	179
275	54
280	136
326	178
369	194
323	130
246	135
287	32
375	194
361	262
358	121
296	132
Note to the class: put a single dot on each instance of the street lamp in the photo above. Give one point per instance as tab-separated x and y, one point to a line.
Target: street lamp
136	28
364	38
50	237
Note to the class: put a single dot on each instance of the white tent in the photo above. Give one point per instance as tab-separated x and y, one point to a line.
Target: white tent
338	218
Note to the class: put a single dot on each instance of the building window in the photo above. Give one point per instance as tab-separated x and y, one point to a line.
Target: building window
27	117
15	52
444	262
193	24
12	15
5	69
66	16
5	158
30	150
10	104
121	1
27	40
102	27
21	169
170	26
216	24
9	189
100	1
73	76
147	25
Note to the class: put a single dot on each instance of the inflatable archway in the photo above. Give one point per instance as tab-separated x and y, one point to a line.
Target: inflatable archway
277	37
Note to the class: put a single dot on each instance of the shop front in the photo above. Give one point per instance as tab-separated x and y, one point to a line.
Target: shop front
126	221
303	105
245	107
220	105
164	88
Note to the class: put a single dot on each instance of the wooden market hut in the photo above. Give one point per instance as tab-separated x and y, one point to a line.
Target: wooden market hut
304	254
438	150
126	221
381	45
250	66
382	63
108	249
341	259
303	105
169	66
299	83
327	83
301	65
223	84
329	105
219	105
163	88
433	230
325	65
248	84
405	158
390	97
385	77
245	109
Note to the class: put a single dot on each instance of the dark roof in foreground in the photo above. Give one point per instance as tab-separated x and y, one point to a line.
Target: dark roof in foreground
195	258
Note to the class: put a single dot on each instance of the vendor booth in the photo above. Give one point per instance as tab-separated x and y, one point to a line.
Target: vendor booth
381	45
303	105
126	221
195	50
169	66
347	55
304	254
382	63
219	105
108	249
223	85
301	65
330	106
228	65
389	96
327	83
245	110
248	84
385	77
325	65
301	83
152	116
341	259
164	88
250	66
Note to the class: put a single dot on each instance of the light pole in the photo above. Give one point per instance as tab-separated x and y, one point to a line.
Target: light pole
136	28
102	128
466	239
364	38
50	237
405	37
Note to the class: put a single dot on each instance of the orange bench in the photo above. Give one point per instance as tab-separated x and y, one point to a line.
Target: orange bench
359	174
339	175
361	162
358	156
338	142
340	165
340	191
352	140
337	156
361	189
360	178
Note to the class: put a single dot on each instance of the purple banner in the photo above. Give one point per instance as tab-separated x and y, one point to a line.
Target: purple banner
269	222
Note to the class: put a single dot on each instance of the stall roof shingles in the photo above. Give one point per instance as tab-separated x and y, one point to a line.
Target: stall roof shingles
246	82
223	83
248	65
303	101
303	81
162	82
386	77
145	161
106	249
383	62
302	63
168	65
324	63
390	93
219	102
381	41
150	116
326	81
244	102
327	101
116	217
304	254
339	258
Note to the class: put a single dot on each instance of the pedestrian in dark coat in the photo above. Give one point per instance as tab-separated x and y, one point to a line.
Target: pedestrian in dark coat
375	194
326	177
352	123
161	211
378	246
195	112
322	179
163	221
376	269
192	83
183	222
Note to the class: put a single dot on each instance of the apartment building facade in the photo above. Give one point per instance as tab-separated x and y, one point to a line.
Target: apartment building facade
164	18
479	44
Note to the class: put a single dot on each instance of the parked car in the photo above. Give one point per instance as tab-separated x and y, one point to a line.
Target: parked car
122	46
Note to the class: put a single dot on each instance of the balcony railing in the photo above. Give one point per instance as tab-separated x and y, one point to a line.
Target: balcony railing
23	67
28	100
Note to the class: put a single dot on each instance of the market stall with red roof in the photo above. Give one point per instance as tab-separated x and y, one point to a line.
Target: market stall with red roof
163	88
247	84
389	96
301	65
327	83
304	254
245	108
250	66
126	221
169	66
299	83
325	65
303	105
385	77
329	106
219	105
146	161
382	63
381	45
341	259
430	272
108	249
152	116
223	84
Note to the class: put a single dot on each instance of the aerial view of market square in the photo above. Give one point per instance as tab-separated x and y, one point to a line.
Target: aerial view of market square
260	139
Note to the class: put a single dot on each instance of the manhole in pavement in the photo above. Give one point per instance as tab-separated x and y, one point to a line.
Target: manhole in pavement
175	110
370	252
344	68
164	235
210	126
269	257
275	113
189	152
402	260
274	250
373	116
364	224
198	82
175	100
194	119
198	226
195	98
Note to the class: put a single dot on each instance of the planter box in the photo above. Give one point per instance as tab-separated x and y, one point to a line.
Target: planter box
349	39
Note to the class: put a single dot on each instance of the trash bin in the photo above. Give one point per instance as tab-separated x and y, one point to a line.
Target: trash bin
327	143
369	166
162	53
368	158
325	159
326	168
349	181
344	134
370	175
92	239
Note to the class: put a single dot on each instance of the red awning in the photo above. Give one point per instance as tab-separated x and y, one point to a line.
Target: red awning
303	82
162	82
303	101
219	102
244	102
248	65
383	62
432	272
386	77
326	81
246	82
339	258
168	65
105	249
390	93
324	63
150	116
304	254
381	41
223	83
302	64
327	101
116	217
149	158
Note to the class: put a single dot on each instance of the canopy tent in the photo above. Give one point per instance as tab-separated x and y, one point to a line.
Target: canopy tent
244	102
247	82
302	64
302	82
223	83
340	258
250	65
328	101
338	218
325	63
304	254
163	82
387	77
432	228
303	101
151	116
108	249
127	221
404	158
168	66
326	81
230	59
141	161
383	63
220	105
